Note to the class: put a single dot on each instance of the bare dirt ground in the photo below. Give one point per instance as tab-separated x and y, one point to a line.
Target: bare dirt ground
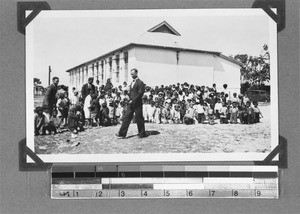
163	138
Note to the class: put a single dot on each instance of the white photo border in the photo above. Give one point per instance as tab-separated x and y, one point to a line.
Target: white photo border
151	157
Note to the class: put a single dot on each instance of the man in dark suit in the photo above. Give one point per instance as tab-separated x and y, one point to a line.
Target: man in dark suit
50	98
87	88
137	89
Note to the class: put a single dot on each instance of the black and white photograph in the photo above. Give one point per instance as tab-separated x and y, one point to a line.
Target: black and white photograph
151	85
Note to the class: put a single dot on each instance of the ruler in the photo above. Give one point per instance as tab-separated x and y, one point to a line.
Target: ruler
103	182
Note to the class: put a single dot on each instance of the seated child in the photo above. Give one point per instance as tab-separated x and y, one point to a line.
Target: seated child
66	108
157	113
39	119
101	100
118	112
52	123
87	105
176	115
56	122
166	114
80	116
234	98
145	108
242	112
210	114
124	105
200	111
205	109
257	112
104	116
249	114
94	109
61	106
223	114
229	106
151	111
190	115
73	119
112	112
234	113
75	98
47	128
182	110
217	108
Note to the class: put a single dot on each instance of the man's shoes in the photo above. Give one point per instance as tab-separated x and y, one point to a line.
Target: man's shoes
120	136
143	136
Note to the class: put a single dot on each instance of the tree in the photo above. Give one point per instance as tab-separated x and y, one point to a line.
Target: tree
36	81
255	70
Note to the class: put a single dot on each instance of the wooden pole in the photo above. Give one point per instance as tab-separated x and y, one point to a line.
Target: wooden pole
49	75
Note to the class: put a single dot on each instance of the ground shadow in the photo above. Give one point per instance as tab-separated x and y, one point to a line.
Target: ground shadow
152	132
130	136
148	133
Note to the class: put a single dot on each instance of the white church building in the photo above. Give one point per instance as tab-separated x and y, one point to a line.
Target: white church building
162	58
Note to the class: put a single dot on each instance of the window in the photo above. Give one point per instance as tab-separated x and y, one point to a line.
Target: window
93	70
97	67
126	66
110	67
79	76
102	71
117	68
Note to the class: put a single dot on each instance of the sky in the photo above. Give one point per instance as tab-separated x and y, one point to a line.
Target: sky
65	39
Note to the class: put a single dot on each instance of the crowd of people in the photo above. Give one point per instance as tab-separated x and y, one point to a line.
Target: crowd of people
105	105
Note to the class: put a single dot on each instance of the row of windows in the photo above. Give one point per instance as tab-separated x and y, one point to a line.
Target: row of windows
97	71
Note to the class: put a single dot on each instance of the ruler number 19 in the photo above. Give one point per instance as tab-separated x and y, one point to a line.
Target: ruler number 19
257	193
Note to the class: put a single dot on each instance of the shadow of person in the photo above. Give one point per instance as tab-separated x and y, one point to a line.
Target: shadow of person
148	133
130	136
152	132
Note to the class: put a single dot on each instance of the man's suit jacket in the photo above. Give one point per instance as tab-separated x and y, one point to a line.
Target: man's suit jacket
50	96
85	90
136	92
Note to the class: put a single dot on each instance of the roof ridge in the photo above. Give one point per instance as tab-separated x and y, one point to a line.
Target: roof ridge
175	32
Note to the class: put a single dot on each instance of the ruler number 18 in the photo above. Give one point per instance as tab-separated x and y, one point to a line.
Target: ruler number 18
235	193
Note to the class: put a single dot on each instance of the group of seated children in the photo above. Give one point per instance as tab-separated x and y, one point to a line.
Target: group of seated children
181	103
45	124
195	110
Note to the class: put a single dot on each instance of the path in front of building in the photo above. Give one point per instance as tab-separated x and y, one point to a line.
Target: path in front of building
164	138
